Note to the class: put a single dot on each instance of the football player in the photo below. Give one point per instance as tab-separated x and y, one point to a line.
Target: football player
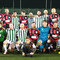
15	20
23	19
6	18
28	47
44	34
54	33
21	34
33	33
53	18
10	40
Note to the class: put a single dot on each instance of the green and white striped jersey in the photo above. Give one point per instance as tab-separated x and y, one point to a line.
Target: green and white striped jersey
45	17
38	21
11	35
15	22
22	34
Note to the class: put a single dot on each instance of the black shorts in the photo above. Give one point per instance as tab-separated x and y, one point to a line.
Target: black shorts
54	45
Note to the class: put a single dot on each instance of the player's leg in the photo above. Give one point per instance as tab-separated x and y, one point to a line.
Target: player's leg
18	46
11	46
31	54
5	46
24	51
41	46
54	46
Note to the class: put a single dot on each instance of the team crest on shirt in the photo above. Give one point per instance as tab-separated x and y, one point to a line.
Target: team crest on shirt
36	32
25	17
56	16
57	32
8	17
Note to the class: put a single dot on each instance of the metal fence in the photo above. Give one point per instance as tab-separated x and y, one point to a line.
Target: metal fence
34	11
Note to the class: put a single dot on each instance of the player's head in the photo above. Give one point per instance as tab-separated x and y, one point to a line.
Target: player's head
21	25
44	23
0	25
53	10
27	40
38	12
33	25
45	12
11	25
55	25
23	13
14	13
30	15
7	11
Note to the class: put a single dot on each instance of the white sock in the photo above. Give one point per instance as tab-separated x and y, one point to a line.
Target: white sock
17	46
5	47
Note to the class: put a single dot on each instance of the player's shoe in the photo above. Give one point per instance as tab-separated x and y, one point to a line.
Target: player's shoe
5	52
43	50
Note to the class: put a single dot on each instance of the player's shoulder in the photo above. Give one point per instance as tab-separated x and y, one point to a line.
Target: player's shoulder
48	27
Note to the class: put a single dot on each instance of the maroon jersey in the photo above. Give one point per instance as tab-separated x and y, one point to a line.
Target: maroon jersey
7	20
24	20
54	33
1	18
53	19
33	34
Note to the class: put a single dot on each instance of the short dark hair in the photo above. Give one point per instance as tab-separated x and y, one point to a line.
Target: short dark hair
23	11
27	37
14	11
44	21
33	22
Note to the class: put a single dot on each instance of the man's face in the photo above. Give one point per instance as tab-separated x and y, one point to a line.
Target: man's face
45	12
22	13
38	13
0	25
11	26
53	11
44	24
21	25
7	11
27	41
55	25
14	14
31	15
33	25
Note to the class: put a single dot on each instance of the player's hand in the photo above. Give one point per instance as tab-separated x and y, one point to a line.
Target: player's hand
40	42
48	41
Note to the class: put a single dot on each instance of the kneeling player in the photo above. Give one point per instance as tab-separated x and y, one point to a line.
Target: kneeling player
28	47
54	33
21	34
33	33
11	39
44	31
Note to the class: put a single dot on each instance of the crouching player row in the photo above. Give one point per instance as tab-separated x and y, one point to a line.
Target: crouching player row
14	38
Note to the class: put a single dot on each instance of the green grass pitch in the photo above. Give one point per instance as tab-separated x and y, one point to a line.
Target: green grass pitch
41	56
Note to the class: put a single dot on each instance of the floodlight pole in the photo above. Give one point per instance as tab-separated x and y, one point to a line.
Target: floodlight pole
13	5
46	4
20	5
